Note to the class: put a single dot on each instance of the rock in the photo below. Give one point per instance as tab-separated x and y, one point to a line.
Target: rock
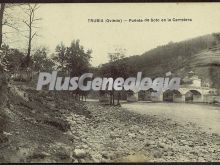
58	123
214	134
170	153
162	145
85	146
150	142
204	144
194	153
83	161
114	135
46	154
191	145
157	154
49	98
51	104
63	154
105	155
134	127
132	135
79	153
142	132
96	157
7	133
169	137
39	155
183	142
201	159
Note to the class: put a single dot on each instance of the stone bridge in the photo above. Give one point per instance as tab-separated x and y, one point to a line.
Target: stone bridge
186	93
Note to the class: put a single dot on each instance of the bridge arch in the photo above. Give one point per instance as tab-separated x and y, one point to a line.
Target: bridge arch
193	95
173	96
145	95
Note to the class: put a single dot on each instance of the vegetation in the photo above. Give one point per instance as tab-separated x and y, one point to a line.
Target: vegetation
195	55
74	60
31	24
171	57
117	66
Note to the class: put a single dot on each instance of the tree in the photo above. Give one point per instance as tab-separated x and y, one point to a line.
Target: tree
78	60
2	9
40	60
6	19
117	66
12	58
74	60
31	22
60	56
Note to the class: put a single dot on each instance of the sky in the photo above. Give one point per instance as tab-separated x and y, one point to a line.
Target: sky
68	22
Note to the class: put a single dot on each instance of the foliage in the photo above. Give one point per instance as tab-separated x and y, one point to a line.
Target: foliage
170	57
60	56
78	60
73	59
117	66
11	58
40	60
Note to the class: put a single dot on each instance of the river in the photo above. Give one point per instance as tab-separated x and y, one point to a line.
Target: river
205	116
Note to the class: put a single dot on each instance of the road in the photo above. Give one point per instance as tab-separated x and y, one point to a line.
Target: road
205	116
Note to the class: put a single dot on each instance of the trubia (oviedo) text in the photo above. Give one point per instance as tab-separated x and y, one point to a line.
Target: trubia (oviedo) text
86	82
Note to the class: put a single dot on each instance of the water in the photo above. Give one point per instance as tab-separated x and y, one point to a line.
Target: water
205	116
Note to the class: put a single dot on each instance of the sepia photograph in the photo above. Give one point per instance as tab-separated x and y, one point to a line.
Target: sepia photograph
109	82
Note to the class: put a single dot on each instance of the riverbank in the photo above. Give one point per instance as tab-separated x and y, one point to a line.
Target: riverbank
120	135
53	127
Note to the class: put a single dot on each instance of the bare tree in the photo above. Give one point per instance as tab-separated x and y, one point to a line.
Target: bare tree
2	9
31	22
7	19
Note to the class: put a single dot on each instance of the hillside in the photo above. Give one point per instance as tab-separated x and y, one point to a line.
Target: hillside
201	55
